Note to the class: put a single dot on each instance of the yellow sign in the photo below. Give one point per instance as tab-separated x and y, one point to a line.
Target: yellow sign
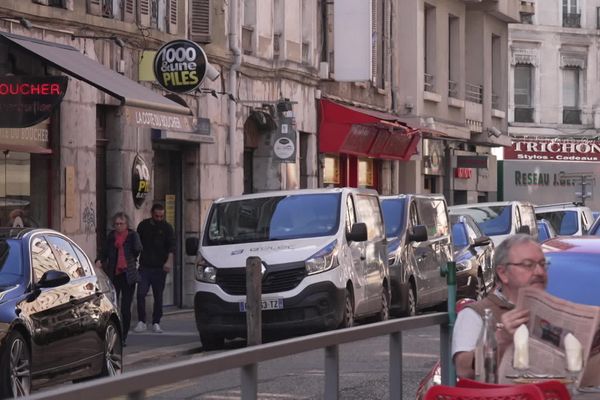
170	208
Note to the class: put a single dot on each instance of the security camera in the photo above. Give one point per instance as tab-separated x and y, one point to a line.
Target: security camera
494	131
211	72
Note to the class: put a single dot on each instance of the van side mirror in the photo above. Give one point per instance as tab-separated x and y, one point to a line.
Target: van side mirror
524	229
358	233
481	241
191	246
417	234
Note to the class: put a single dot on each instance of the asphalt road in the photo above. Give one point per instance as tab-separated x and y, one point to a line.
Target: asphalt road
363	365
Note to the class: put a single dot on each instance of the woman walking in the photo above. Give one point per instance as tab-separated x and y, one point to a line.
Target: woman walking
119	262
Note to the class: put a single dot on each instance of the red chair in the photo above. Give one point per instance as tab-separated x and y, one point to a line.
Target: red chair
552	390
511	392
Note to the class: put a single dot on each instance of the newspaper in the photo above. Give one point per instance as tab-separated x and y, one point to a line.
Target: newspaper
550	319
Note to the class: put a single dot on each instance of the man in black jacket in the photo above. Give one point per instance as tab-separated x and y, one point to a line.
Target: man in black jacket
156	261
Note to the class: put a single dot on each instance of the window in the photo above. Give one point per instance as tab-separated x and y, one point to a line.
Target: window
453	55
367	210
307	23
350	215
378	43
331	170
365	172
429	48
523	93
68	260
42	258
249	26
571	109
201	26
496	72
571	15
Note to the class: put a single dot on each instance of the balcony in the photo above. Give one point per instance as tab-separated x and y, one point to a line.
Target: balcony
474	93
572	20
453	89
429	83
524	114
571	116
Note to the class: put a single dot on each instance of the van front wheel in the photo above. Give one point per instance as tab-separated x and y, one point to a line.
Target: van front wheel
348	317
384	313
212	342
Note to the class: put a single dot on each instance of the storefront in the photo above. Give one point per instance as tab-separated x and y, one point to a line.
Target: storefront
353	143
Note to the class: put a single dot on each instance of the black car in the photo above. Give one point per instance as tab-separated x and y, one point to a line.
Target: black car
473	255
58	318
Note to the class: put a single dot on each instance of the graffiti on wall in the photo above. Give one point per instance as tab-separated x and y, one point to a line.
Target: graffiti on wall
89	219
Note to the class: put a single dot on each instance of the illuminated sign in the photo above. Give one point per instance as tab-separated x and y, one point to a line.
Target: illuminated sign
140	181
180	66
26	101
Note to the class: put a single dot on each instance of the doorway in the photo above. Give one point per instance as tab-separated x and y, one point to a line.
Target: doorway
168	191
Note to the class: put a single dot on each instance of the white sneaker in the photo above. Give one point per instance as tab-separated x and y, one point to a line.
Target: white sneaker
156	328
140	327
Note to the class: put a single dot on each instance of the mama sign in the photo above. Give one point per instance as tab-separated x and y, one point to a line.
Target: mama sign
180	66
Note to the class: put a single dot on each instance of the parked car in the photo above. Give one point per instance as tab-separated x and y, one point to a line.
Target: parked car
574	272
498	220
473	255
59	323
324	259
567	218
419	243
545	230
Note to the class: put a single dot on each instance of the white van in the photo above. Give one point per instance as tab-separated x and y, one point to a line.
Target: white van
573	219
500	219
324	256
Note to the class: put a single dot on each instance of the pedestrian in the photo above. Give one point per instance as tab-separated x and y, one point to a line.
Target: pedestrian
119	261
519	262
156	262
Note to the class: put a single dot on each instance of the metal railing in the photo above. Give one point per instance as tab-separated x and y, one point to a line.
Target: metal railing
523	114
572	20
134	384
571	116
453	89
429	82
495	101
474	93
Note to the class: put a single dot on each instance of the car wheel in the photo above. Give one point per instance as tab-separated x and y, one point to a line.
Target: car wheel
479	287
384	313
348	317
16	367
411	309
113	351
212	342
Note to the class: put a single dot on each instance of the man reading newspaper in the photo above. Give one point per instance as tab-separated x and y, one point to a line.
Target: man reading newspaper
551	319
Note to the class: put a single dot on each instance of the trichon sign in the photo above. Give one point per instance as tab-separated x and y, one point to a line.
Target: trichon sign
180	66
555	149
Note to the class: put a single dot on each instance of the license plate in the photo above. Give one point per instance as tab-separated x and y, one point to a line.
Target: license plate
266	304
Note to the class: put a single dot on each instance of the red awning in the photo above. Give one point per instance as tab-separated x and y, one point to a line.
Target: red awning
364	133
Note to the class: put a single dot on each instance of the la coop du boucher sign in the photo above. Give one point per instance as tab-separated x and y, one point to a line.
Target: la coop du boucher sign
180	66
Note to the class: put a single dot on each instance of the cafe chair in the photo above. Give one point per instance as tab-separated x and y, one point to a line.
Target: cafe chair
552	389
511	392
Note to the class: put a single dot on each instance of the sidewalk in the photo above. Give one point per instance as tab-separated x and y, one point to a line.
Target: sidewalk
179	337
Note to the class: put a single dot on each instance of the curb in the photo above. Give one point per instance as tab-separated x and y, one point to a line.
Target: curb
153	355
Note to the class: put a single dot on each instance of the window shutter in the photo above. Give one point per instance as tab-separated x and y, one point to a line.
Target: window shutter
201	21
144	12
129	11
94	7
172	16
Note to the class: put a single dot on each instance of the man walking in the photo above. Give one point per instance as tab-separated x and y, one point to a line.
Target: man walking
156	261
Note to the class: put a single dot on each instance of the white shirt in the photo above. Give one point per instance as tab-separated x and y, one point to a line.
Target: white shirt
467	327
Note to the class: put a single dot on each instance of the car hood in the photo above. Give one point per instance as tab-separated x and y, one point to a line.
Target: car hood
273	252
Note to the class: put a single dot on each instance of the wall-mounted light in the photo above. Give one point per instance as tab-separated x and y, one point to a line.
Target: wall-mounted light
117	40
24	22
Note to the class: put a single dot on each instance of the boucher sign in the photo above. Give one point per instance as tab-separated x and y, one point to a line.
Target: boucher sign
25	101
556	149
180	66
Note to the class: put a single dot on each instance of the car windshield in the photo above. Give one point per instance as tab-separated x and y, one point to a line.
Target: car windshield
11	266
493	220
274	218
393	216
543	233
574	276
459	236
564	222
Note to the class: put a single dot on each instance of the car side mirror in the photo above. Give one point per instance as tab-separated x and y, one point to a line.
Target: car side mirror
53	278
417	234
524	229
481	241
191	246
358	233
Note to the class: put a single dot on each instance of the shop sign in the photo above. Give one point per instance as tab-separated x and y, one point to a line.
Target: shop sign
158	120
471	161
180	66
554	149
433	157
284	146
27	100
140	181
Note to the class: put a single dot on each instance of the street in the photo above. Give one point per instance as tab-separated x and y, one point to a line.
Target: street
363	365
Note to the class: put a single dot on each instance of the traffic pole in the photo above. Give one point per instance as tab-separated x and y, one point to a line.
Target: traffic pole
447	366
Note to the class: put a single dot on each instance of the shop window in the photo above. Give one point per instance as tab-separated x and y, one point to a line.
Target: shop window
523	93
331	170
365	173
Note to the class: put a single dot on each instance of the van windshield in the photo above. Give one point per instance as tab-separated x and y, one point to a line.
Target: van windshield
393	216
273	218
493	220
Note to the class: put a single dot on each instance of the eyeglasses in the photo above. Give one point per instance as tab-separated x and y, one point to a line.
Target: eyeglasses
531	264
120	223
